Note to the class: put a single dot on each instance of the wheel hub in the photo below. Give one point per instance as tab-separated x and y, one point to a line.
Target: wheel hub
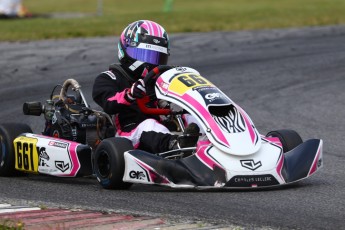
103	164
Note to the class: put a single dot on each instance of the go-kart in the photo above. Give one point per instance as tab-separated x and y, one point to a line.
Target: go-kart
230	152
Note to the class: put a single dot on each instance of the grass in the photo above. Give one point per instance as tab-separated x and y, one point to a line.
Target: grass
11	225
186	16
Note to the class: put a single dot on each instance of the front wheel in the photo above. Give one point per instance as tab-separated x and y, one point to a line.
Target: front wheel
109	163
9	132
290	139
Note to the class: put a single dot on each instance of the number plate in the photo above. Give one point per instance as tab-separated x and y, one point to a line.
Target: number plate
26	154
184	82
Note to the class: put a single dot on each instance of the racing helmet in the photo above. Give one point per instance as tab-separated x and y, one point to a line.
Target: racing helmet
143	46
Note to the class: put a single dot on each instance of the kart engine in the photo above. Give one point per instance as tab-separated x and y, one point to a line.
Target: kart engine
70	118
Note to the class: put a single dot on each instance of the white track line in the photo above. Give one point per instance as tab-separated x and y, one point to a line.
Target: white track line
7	208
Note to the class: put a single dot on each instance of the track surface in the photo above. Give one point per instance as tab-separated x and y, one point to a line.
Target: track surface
283	78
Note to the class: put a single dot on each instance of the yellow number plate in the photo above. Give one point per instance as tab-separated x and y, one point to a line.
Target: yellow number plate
184	82
26	154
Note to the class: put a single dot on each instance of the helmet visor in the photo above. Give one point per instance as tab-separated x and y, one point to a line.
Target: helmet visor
146	55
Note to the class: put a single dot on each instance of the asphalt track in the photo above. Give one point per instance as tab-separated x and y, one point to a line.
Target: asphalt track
292	78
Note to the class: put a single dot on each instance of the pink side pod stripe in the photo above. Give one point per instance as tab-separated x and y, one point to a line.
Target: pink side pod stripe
274	140
249	125
316	160
74	158
204	157
152	173
213	125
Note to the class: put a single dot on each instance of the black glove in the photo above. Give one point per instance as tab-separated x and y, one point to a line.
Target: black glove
137	90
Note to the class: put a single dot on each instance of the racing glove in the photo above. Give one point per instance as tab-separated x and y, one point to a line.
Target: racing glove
137	90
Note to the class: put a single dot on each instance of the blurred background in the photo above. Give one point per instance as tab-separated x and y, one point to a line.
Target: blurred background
46	19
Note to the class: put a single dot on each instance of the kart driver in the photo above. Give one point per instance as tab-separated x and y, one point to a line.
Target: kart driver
143	45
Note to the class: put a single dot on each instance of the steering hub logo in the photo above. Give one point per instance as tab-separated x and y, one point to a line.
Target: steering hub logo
251	164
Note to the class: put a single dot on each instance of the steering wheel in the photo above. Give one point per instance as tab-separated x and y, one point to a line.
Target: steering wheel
150	81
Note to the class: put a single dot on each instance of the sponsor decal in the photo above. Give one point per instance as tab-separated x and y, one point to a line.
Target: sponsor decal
153	47
156	41
60	165
212	96
43	163
137	175
208	89
47	170
181	69
252	181
43	157
250	164
58	144
43	153
150	175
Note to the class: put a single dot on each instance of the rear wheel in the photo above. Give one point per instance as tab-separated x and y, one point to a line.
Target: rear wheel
290	139
109	163
9	132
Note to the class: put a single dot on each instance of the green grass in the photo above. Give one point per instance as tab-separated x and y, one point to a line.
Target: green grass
11	225
186	16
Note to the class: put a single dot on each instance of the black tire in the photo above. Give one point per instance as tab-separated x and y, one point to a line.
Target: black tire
290	139
109	163
9	132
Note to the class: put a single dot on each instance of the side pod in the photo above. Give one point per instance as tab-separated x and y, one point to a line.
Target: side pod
303	161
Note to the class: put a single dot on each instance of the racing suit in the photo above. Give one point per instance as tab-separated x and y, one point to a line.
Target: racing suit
145	131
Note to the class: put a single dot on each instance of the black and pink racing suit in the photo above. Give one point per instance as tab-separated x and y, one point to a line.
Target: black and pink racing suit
145	131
